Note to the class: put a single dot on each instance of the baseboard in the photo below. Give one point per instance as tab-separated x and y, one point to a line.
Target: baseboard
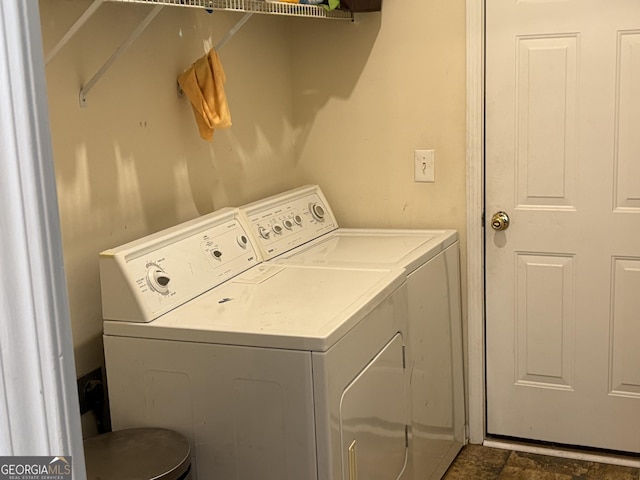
564	453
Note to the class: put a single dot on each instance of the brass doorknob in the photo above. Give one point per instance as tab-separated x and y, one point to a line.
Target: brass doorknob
500	221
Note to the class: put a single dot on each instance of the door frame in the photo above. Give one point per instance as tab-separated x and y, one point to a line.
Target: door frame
39	411
475	46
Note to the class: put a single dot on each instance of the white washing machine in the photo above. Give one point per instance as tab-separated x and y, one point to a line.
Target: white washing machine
271	372
298	228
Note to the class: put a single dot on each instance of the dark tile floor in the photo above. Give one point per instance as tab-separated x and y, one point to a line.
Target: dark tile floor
483	463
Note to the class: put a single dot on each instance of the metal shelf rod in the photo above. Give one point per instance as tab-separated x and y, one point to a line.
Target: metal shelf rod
121	49
74	28
233	30
255	6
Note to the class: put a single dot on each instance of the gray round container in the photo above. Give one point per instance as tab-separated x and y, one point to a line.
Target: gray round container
138	454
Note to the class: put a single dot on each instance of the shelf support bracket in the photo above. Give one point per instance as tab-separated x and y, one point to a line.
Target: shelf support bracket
226	38
233	31
121	49
74	29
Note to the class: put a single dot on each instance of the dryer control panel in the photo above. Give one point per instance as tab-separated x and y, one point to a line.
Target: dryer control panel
148	277
283	222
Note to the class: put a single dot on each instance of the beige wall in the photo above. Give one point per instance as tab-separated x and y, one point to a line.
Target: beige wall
132	162
366	95
313	101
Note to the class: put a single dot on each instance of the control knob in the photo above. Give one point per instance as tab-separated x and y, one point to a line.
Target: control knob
277	229
158	280
317	211
242	241
264	233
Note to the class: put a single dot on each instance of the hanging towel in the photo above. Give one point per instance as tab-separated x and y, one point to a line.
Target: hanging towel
203	83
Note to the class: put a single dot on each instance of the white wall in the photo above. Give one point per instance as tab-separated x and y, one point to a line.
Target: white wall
132	162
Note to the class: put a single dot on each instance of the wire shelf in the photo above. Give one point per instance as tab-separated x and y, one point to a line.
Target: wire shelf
249	7
253	6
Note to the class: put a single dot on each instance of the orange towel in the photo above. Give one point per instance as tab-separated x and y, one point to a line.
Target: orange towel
203	83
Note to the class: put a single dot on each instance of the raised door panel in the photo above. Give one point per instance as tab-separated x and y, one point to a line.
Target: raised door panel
546	89
627	154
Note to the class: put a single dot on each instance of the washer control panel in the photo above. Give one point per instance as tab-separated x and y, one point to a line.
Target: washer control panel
146	278
286	221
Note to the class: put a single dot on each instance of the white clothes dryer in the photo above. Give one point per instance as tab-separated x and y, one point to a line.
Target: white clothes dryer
271	372
298	228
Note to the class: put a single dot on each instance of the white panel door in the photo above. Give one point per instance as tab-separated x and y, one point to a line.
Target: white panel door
563	280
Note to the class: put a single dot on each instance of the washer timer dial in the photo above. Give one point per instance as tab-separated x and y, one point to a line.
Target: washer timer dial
317	211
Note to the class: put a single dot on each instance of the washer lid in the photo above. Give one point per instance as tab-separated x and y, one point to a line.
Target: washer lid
273	306
355	248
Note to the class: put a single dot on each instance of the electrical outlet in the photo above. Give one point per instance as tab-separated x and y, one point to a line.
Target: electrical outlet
424	166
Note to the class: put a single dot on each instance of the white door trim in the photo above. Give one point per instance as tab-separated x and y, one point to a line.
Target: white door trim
39	412
475	231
